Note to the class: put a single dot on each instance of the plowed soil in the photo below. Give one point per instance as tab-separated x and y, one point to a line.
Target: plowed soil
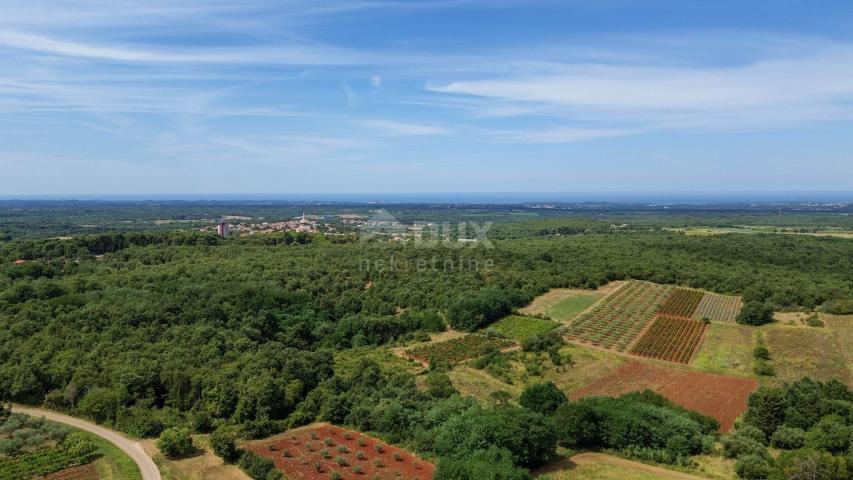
721	397
299	454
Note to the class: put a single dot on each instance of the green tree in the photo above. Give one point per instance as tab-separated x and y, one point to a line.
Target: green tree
544	398
175	442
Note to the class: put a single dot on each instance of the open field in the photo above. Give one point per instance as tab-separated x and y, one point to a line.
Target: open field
673	339
599	466
564	304
755	229
726	348
202	464
721	397
457	349
589	365
518	328
315	452
616	321
822	353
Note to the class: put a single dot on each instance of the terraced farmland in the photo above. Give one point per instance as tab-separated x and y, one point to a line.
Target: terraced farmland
673	339
722	308
457	349
681	303
619	318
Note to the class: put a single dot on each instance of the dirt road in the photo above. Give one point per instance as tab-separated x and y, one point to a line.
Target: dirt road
146	466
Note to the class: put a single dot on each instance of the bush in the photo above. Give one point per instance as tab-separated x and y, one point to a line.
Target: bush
751	432
174	442
755	313
788	438
491	464
224	444
439	385
761	353
810	464
736	446
543	398
258	467
761	367
752	467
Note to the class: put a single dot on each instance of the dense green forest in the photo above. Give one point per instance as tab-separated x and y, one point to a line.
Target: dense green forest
145	331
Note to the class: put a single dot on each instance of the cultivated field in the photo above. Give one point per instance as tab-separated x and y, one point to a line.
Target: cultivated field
83	472
518	328
674	339
721	308
316	452
618	319
721	397
681	303
458	349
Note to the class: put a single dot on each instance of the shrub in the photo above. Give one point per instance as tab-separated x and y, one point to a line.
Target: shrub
343	449
788	438
341	461
761	352
439	385
361	442
736	446
752	467
224	444
257	467
360	455
761	367
174	442
491	464
357	469
378	448
751	432
398	457
543	398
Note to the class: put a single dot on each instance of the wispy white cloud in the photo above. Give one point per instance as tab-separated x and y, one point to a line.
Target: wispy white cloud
404	128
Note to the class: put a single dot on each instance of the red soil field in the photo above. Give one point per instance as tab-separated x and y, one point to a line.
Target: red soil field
299	454
721	397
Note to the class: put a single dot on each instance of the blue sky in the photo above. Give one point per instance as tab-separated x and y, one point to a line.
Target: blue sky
290	96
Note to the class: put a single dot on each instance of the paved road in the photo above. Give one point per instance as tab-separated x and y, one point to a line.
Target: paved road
133	449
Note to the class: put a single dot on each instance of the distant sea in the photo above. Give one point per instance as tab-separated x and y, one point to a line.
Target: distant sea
692	197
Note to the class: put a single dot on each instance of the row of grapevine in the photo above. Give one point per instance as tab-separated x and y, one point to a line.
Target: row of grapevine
681	303
723	308
42	462
670	338
457	349
618	319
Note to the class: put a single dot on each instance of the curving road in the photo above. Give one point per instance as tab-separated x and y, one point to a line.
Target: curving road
133	449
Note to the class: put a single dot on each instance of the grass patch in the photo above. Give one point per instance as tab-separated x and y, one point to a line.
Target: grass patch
518	328
569	308
727	348
819	353
347	360
113	464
